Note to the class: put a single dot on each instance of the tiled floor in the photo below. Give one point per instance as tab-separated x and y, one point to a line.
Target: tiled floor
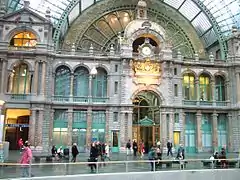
61	168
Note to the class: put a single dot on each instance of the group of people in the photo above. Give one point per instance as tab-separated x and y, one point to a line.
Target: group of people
219	159
98	151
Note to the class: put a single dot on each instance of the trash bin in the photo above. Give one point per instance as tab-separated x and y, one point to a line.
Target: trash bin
66	153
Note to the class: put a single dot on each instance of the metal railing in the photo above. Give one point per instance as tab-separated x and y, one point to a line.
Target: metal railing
13	170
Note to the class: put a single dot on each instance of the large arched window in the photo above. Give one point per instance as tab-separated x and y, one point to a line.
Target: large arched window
99	84
24	39
204	88
219	89
81	82
189	87
19	81
62	81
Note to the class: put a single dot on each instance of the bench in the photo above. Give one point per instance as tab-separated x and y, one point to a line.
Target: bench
38	156
209	163
170	163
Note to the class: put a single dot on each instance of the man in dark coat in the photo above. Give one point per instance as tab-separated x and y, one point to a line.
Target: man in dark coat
74	152
93	157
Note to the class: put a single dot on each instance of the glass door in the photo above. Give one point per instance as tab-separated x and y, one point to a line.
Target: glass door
79	137
115	141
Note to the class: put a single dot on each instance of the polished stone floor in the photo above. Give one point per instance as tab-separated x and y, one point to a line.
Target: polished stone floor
61	168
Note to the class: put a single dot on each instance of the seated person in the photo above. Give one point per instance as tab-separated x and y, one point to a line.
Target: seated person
60	152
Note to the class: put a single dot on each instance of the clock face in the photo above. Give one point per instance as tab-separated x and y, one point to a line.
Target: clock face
146	51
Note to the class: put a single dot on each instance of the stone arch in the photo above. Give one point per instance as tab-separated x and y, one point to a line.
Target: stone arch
222	74
62	64
81	65
16	30
18	62
158	38
151	89
189	71
103	67
205	72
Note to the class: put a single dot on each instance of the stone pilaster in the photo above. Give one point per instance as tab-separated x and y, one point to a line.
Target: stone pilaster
164	129
3	78
122	129
70	123
230	133
129	128
51	127
171	126
199	131
183	127
32	127
215	131
43	83
107	133
35	77
40	125
238	87
89	127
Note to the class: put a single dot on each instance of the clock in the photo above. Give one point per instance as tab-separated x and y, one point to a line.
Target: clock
146	50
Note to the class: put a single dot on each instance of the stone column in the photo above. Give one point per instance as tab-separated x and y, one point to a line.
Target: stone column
183	127
43	78
230	133
213	92
164	129
51	127
199	131
171	126
129	130
53	84
197	89
107	133
70	123
89	127
71	84
32	127
40	125
90	89
3	78
35	78
215	131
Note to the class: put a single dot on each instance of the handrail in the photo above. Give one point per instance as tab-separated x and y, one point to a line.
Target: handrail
119	162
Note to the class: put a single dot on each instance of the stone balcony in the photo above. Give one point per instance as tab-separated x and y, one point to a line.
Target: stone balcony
216	104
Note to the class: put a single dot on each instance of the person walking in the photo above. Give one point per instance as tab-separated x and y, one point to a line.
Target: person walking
169	148
25	160
128	147
74	152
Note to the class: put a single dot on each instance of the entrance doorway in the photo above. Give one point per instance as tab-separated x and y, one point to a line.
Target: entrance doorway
146	118
16	126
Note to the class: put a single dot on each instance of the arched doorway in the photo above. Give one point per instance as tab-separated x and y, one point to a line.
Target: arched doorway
146	118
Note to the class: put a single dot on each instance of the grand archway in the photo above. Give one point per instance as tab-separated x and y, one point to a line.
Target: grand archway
146	118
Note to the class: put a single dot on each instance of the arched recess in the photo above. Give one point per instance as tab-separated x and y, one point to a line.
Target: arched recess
220	88
62	81
161	15
189	86
20	79
146	117
205	87
100	85
81	82
105	31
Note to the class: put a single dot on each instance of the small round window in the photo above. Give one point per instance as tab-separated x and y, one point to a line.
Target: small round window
24	39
